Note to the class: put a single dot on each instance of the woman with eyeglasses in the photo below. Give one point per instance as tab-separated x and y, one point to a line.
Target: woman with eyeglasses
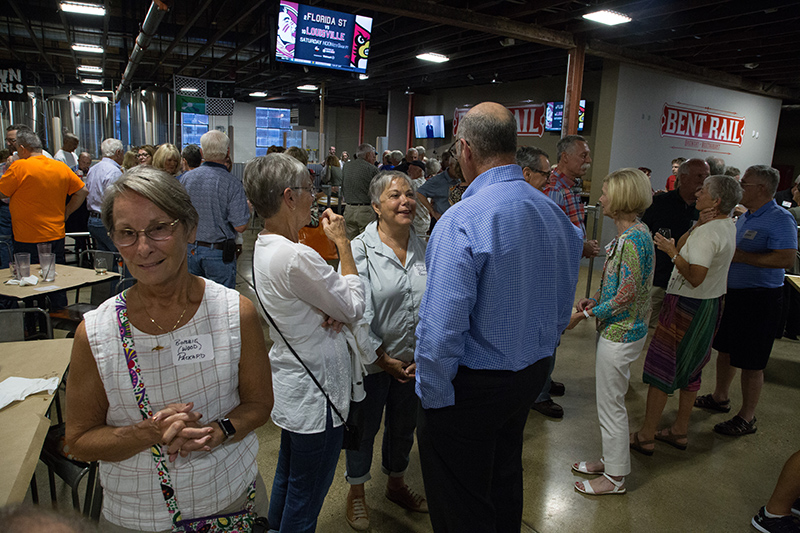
145	153
168	379
309	302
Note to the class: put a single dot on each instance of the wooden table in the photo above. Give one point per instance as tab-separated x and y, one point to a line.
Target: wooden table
794	280
67	277
25	424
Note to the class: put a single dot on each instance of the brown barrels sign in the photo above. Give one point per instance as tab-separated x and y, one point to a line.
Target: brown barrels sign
12	81
701	125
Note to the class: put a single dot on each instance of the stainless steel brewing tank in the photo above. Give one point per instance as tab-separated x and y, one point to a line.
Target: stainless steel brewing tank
31	113
152	116
89	116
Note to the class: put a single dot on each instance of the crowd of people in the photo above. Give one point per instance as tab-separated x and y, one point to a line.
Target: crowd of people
431	251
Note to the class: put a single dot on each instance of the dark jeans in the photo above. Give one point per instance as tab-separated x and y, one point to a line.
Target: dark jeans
471	452
98	231
58	299
306	465
401	404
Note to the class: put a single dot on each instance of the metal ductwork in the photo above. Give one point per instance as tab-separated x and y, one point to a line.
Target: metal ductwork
154	16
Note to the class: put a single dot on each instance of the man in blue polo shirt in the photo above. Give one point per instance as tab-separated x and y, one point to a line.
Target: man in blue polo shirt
766	243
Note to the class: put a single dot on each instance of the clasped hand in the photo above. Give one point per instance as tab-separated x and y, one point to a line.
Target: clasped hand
181	431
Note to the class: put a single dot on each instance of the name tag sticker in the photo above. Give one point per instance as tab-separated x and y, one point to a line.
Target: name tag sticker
191	350
786	204
750	234
419	269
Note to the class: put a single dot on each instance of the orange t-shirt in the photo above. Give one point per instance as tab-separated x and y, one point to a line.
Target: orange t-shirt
38	187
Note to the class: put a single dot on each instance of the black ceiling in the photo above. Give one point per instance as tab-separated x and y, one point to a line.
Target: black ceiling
751	45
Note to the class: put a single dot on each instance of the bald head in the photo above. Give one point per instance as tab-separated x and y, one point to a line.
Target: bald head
491	131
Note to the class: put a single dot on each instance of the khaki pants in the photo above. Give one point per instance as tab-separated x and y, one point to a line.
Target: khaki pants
656	301
357	217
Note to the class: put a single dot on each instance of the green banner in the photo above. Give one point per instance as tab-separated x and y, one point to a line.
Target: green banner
191	104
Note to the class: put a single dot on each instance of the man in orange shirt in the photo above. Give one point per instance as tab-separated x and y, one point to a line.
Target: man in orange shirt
38	188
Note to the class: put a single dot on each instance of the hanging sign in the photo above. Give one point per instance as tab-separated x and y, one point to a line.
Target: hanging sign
12	81
530	118
195	95
702	124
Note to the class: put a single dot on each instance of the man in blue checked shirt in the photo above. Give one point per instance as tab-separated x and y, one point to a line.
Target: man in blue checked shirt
502	269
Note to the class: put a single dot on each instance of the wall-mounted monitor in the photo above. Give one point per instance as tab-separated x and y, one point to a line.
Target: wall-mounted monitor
554	112
313	36
429	126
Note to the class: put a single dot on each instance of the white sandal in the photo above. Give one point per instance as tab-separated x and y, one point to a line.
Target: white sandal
587	487
581	468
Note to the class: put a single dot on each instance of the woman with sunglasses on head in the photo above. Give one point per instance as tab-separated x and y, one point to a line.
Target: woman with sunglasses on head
170	378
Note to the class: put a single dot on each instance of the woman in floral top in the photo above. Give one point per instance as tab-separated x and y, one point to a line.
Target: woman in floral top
622	308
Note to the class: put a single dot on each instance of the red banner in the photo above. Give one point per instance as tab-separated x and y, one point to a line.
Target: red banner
530	119
702	123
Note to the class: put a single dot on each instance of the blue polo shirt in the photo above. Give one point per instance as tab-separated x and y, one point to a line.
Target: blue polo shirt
770	228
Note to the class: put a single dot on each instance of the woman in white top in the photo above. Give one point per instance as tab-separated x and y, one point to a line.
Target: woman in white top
196	347
309	301
391	262
689	318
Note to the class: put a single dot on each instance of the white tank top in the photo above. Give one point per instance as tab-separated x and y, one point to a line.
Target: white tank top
204	482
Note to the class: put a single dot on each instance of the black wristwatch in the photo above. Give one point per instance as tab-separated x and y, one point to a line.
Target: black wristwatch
227	428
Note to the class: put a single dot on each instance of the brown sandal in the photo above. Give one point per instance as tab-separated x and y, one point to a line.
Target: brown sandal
666	435
637	445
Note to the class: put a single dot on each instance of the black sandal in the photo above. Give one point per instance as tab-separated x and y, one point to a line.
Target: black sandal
736	427
707	401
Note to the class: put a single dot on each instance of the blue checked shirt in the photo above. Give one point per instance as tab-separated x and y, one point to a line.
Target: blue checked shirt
502	269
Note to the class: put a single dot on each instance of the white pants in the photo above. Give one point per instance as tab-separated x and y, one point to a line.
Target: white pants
613	372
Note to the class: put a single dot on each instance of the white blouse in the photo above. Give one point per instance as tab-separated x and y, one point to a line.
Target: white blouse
299	289
711	245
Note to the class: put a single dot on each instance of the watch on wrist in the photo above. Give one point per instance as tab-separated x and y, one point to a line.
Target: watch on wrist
227	428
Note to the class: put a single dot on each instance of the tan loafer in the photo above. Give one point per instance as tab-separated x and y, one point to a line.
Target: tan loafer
408	499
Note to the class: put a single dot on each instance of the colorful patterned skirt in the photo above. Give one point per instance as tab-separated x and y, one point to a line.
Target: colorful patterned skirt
681	344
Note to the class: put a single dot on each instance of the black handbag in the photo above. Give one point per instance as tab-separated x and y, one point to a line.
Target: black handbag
351	437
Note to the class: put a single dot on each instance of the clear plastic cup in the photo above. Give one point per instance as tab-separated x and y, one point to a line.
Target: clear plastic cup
23	261
44	248
48	264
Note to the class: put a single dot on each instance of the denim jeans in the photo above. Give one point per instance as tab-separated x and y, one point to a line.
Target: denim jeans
100	234
6	248
398	435
207	263
306	465
544	395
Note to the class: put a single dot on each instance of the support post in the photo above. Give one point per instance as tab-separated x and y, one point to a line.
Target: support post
361	122
410	124
572	92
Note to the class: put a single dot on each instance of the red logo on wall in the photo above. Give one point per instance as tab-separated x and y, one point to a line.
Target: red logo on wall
686	121
530	119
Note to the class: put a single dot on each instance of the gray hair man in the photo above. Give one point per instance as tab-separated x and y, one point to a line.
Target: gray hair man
356	176
101	176
535	164
503	251
84	162
766	244
220	200
716	165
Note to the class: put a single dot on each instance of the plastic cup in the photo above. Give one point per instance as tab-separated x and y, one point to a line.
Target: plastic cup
48	264
44	248
23	261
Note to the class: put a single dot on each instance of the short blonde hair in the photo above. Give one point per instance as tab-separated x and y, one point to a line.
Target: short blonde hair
165	153
628	191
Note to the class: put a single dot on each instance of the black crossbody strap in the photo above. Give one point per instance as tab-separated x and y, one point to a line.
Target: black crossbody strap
275	326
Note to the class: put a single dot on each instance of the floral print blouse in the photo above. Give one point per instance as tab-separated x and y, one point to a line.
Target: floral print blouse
623	307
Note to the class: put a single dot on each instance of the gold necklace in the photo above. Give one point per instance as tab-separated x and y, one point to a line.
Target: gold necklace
156	323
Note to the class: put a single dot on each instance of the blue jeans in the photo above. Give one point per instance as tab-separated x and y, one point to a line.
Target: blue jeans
306	465
544	395
100	234
6	252
398	436
207	263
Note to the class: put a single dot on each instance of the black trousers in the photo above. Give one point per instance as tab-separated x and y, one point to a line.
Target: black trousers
471	452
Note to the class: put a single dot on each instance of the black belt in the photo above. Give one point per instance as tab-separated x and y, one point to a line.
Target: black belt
94	214
212	245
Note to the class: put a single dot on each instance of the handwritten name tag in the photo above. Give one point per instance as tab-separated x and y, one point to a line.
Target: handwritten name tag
419	269
750	234
191	350
786	204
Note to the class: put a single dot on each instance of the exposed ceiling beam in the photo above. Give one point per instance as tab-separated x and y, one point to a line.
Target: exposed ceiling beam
35	39
68	37
233	52
198	11
11	49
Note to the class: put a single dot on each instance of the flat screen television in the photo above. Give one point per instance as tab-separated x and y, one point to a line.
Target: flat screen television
313	36
554	112
429	126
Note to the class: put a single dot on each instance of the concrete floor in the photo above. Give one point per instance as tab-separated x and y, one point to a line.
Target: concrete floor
716	485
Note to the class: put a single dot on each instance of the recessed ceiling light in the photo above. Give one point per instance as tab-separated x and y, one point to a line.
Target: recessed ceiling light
258	94
307	87
91	69
610	18
83	8
435	58
189	90
91	81
363	77
91	48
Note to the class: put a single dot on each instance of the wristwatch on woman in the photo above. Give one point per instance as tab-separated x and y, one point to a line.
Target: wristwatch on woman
227	428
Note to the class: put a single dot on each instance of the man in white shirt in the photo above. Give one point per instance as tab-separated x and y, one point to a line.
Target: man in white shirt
67	153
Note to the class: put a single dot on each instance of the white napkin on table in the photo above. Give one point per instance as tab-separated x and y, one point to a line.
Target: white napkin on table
30	280
15	389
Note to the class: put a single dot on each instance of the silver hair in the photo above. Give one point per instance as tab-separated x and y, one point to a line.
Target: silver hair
364	149
397	156
384	179
683	169
432	166
155	185
110	146
716	165
29	140
215	145
420	151
769	176
266	177
566	143
408	152
725	189
530	157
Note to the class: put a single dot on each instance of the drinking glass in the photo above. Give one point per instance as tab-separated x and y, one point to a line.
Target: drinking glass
23	261
665	232
48	264
100	265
